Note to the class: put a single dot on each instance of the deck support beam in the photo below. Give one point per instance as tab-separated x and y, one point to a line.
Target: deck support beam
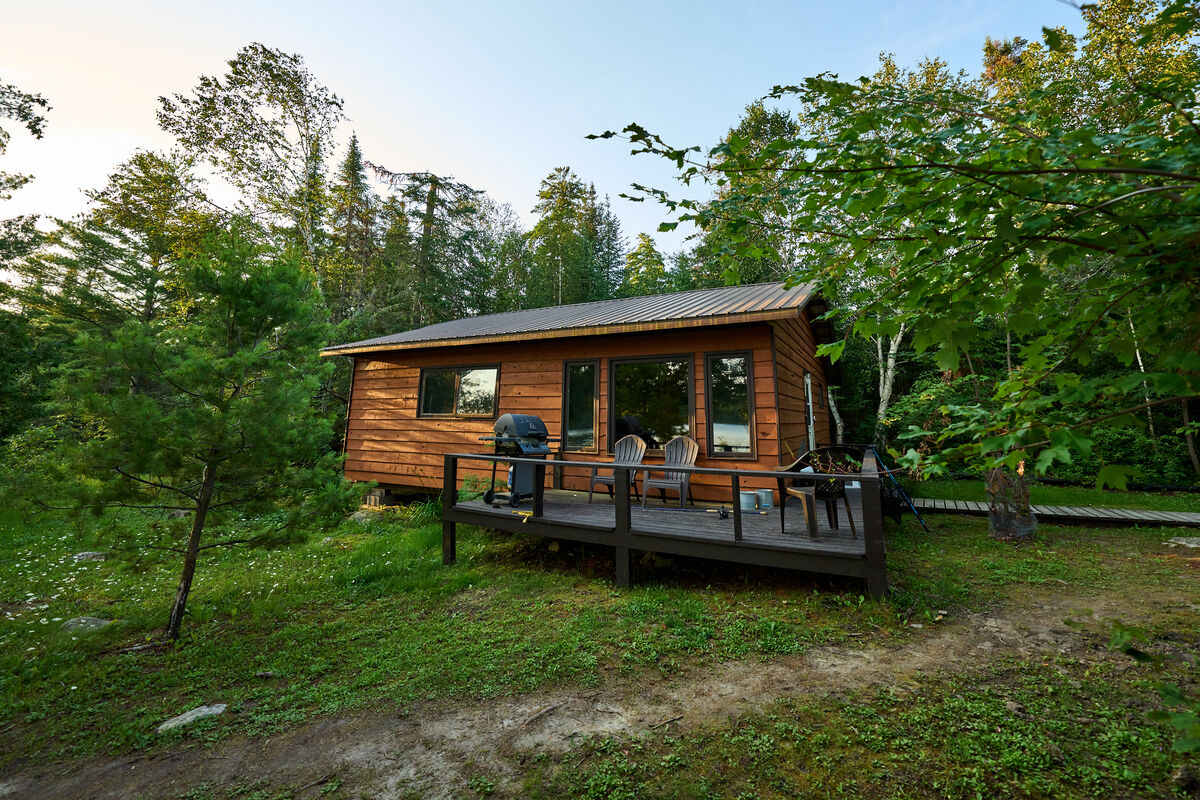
872	514
622	525
449	499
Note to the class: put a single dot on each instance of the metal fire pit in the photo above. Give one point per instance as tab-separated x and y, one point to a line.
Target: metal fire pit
521	436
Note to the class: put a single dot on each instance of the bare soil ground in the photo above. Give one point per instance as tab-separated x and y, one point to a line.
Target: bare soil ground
435	750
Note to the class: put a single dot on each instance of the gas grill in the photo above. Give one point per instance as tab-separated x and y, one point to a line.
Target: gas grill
521	436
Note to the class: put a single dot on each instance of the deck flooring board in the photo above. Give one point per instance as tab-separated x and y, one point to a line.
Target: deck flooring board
696	523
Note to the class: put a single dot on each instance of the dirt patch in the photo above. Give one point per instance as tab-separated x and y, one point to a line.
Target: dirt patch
437	749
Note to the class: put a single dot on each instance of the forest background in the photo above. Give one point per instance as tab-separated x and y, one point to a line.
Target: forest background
386	250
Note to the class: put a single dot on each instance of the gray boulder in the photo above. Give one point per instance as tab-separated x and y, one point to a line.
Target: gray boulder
192	716
90	555
85	624
1183	541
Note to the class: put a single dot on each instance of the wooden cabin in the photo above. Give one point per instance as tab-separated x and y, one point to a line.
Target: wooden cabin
735	368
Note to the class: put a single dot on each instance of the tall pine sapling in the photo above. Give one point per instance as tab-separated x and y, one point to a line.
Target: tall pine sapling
210	412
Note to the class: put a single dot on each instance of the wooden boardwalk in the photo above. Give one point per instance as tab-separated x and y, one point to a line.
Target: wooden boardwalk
1071	514
743	537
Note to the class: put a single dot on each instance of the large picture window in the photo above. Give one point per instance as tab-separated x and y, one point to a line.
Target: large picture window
458	392
581	386
651	399
729	386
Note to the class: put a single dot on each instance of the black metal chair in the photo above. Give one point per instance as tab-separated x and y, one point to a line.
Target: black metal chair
823	460
679	452
628	452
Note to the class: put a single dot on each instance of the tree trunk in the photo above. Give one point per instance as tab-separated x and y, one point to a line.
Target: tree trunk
1190	438
837	417
887	380
192	553
1137	351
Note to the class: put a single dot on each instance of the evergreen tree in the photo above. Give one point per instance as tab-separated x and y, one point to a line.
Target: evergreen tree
353	245
645	270
120	260
557	240
224	423
577	246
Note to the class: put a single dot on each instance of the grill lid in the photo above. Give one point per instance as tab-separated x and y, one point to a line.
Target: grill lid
521	425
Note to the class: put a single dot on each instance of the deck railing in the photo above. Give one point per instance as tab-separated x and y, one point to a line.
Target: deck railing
623	530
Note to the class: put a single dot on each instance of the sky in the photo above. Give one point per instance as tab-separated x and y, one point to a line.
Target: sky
494	94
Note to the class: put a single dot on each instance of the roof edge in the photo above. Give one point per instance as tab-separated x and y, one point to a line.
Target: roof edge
566	333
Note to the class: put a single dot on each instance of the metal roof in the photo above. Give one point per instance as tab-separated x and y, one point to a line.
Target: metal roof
700	307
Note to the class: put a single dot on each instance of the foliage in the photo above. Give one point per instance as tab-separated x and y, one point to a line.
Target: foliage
1082	234
208	411
267	125
645	270
576	244
120	260
18	235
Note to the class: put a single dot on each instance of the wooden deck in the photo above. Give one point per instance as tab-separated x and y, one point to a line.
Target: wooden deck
744	537
1071	514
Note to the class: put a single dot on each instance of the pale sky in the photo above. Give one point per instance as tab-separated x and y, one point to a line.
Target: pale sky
496	95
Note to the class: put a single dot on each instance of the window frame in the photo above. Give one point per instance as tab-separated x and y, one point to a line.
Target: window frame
578	362
751	406
613	363
458	369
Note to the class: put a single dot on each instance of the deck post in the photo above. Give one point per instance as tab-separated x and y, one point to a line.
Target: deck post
736	487
876	556
539	488
449	498
622	525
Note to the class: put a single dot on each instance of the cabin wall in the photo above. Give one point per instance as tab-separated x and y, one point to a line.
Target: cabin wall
386	442
795	354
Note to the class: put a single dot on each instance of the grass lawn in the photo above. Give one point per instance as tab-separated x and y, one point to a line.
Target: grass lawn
367	615
1041	494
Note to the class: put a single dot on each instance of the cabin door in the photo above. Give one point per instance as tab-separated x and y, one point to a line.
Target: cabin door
808	412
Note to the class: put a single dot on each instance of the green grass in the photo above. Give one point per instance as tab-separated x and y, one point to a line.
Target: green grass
367	615
1040	494
359	615
1059	728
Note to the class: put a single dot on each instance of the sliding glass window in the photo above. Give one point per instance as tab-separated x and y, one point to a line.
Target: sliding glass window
651	398
729	390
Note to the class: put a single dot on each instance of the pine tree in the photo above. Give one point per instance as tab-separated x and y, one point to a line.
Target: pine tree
645	270
225	423
353	248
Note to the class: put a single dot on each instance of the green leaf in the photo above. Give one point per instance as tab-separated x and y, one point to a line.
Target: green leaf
1054	40
1112	476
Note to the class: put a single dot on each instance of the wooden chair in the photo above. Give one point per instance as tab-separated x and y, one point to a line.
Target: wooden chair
810	490
628	451
679	452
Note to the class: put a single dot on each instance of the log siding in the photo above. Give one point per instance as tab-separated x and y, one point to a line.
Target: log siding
387	442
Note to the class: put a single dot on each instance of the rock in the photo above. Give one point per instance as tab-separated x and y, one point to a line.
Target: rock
1014	707
90	555
178	513
265	674
1183	541
192	716
85	624
1184	778
364	516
